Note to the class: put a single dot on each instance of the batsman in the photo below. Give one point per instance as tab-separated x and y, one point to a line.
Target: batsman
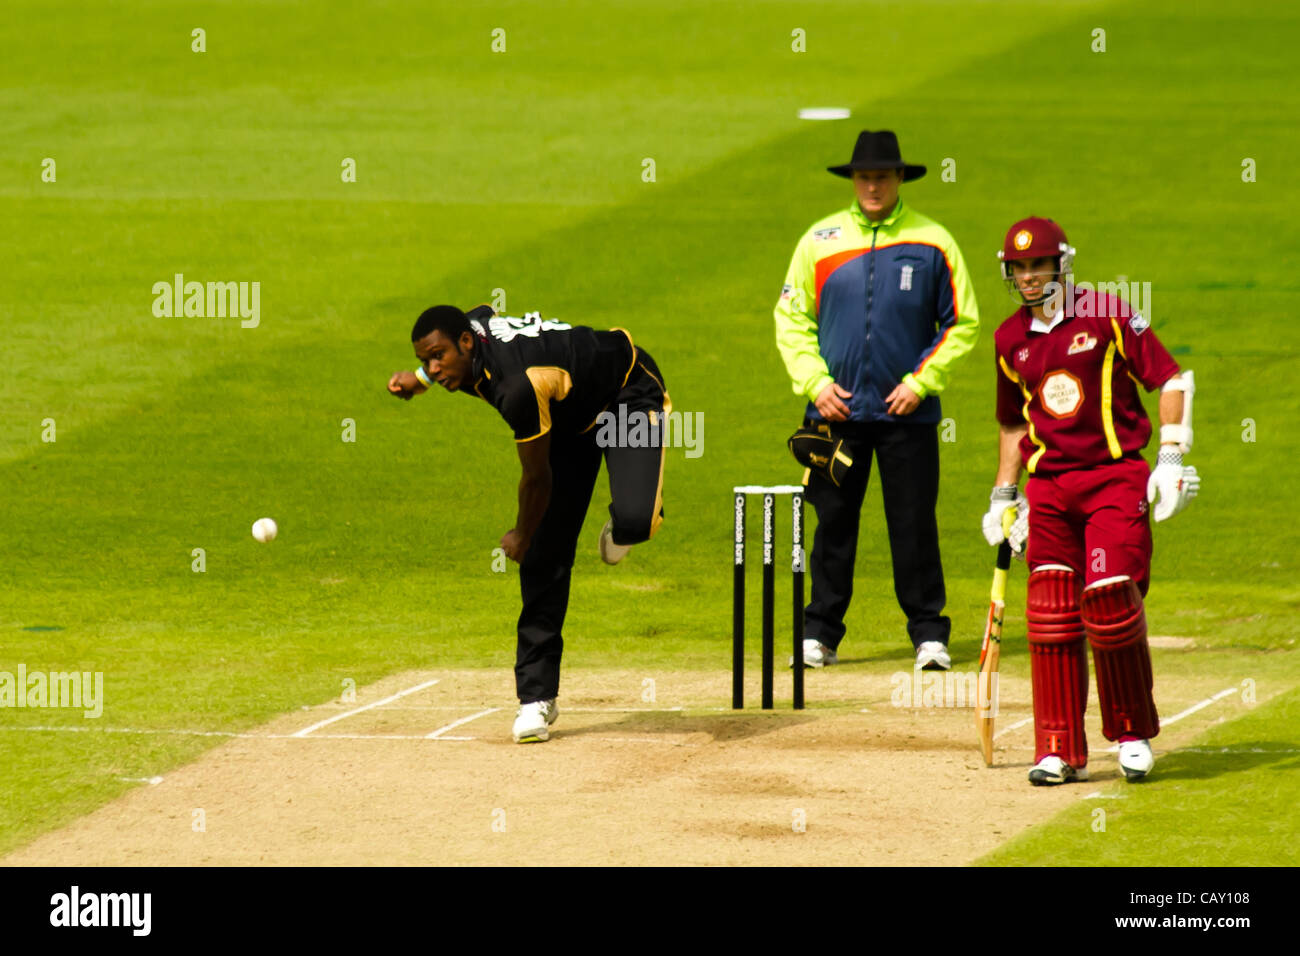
1069	365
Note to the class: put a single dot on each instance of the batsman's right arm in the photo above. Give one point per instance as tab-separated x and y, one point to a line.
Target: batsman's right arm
1010	462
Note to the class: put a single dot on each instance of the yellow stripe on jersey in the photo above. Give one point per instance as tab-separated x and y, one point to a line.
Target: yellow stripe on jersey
1119	338
549	383
1033	435
1119	343
633	363
1107	414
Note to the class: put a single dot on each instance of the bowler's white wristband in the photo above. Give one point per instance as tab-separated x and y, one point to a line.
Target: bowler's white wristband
420	374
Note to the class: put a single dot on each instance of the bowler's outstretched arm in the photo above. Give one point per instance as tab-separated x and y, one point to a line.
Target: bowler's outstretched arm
534	495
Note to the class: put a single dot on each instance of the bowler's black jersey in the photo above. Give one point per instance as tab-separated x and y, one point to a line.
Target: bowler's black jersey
545	375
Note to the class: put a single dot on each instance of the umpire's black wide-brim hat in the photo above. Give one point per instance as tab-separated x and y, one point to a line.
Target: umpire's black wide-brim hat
877	150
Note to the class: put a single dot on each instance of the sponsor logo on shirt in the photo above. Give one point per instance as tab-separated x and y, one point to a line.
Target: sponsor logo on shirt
1138	323
827	235
905	279
794	296
532	325
1023	355
1061	393
1083	342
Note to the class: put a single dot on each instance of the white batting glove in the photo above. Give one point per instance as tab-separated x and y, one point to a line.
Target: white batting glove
1003	499
1172	483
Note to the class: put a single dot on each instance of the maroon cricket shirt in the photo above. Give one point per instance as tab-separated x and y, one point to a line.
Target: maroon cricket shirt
1075	383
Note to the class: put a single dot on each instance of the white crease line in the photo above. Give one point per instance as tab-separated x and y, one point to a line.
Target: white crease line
361	737
464	720
1186	713
400	707
227	733
1164	723
357	710
1195	707
622	710
1016	726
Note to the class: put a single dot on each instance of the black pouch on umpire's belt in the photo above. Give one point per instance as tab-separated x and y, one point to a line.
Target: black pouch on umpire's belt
816	448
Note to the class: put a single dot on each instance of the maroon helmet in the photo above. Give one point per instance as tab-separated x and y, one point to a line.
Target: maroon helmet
1035	238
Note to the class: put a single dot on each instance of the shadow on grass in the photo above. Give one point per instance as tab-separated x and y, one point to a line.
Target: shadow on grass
1206	763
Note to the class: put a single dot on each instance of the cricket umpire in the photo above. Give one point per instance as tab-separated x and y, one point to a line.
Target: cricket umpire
876	309
551	382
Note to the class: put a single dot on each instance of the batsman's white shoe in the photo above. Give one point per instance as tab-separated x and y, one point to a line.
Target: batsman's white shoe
1136	759
816	654
932	656
610	552
1052	770
533	722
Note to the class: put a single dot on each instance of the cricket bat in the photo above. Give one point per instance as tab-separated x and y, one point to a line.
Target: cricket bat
986	700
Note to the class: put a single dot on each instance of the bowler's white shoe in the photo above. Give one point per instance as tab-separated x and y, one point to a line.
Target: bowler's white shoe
1136	759
816	654
610	552
533	722
932	656
1052	770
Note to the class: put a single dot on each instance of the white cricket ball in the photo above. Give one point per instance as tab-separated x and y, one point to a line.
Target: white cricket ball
264	530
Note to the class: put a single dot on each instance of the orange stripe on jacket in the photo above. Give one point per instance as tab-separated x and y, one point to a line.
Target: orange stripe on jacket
828	265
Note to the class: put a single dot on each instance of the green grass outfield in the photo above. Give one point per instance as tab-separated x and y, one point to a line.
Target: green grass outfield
522	171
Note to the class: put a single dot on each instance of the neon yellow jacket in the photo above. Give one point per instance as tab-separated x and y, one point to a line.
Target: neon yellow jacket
869	305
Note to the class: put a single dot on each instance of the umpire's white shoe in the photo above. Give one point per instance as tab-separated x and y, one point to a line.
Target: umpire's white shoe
932	656
610	552
533	722
816	654
1136	759
1052	770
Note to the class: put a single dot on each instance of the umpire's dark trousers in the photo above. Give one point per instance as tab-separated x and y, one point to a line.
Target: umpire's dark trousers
636	507
908	456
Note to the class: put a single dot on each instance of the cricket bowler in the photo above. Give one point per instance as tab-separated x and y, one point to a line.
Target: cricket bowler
551	382
1069	365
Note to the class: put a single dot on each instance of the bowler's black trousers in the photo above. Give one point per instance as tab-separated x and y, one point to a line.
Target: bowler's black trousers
908	456
636	490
